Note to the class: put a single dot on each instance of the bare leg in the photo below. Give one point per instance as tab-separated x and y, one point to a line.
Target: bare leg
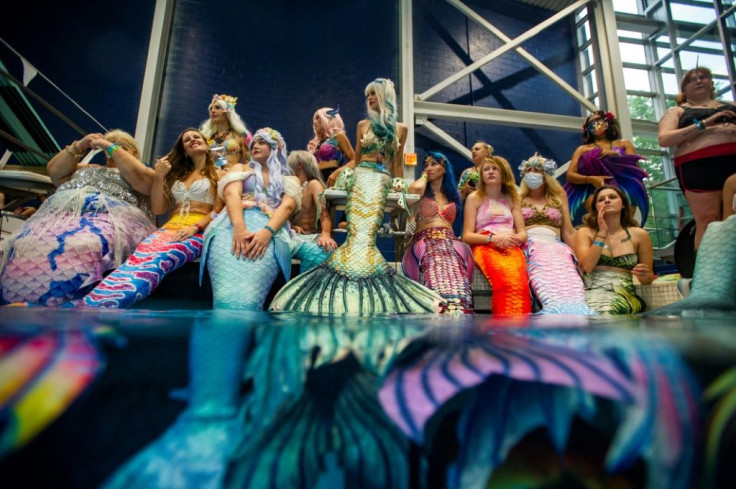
729	193
706	208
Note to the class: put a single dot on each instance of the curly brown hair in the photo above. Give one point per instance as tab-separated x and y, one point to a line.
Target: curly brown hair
182	165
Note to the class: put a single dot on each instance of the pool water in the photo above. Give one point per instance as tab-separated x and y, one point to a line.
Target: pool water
196	398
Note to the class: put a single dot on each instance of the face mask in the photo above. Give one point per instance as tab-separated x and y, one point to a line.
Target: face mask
534	180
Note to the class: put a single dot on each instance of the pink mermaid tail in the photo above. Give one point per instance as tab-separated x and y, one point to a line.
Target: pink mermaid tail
506	272
553	274
446	263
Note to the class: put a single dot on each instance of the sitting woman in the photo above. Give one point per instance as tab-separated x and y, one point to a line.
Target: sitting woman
312	243
444	262
604	159
185	185
611	249
470	177
356	279
330	146
550	261
226	132
494	228
250	242
96	218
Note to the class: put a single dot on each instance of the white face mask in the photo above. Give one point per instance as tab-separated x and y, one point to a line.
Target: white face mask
534	180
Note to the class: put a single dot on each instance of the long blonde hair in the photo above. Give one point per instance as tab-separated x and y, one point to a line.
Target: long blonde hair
508	187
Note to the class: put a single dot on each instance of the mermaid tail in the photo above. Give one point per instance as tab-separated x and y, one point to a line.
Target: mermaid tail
625	174
194	451
41	374
447	266
723	392
506	272
713	288
553	274
356	279
306	249
515	382
612	292
151	261
242	283
66	247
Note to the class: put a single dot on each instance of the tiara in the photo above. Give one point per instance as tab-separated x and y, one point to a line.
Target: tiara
333	112
229	100
537	161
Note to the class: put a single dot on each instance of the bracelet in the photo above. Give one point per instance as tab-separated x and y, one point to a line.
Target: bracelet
490	237
74	146
199	227
270	229
598	243
699	124
111	149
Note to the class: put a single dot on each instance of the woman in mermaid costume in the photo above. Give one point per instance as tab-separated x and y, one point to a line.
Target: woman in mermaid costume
469	178
330	146
604	159
96	218
356	279
185	185
435	253
250	242
553	274
226	133
312	240
494	229
612	250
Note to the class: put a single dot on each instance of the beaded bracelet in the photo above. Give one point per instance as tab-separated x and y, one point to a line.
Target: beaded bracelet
111	149
75	147
598	243
270	229
699	124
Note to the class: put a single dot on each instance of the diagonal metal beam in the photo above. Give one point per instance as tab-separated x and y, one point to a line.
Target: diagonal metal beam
509	45
444	137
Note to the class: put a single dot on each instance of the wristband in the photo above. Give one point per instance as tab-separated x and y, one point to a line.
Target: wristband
199	227
111	149
270	229
699	124
598	243
490	237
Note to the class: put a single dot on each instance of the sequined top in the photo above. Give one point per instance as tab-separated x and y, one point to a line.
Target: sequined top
429	209
370	143
550	215
329	150
109	182
494	215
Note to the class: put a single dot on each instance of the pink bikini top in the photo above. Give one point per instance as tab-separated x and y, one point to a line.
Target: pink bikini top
494	216
549	215
429	209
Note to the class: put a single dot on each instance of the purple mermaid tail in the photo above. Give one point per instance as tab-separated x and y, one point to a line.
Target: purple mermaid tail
625	174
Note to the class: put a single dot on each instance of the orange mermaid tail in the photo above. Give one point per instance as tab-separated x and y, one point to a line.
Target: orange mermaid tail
506	272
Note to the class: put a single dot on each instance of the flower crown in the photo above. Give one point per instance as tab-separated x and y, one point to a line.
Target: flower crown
537	161
272	136
229	100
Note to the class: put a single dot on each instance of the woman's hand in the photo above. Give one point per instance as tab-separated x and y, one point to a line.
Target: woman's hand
163	167
185	233
609	152
504	241
86	142
332	179
642	273
258	243
298	229
722	117
241	240
327	243
602	225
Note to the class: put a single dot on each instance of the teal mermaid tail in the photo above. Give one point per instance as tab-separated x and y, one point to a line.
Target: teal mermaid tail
306	249
356	279
193	453
713	287
242	283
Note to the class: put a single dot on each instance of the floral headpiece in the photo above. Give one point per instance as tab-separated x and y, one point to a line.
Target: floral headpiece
270	135
229	100
537	161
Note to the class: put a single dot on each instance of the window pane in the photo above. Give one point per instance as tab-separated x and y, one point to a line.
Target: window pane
693	14
628	6
671	84
586	57
715	62
636	79
641	107
632	53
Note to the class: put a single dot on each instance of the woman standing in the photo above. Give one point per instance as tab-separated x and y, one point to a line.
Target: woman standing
550	261
330	146
470	177
226	133
612	249
185	185
494	229
94	220
356	279
703	130
445	262
251	240
604	159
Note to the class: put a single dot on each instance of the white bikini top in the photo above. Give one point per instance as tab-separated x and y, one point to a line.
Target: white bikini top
198	191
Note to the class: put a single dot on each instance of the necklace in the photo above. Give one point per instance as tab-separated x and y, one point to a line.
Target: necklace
219	138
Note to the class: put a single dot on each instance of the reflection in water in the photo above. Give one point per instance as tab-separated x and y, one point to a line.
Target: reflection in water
287	401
